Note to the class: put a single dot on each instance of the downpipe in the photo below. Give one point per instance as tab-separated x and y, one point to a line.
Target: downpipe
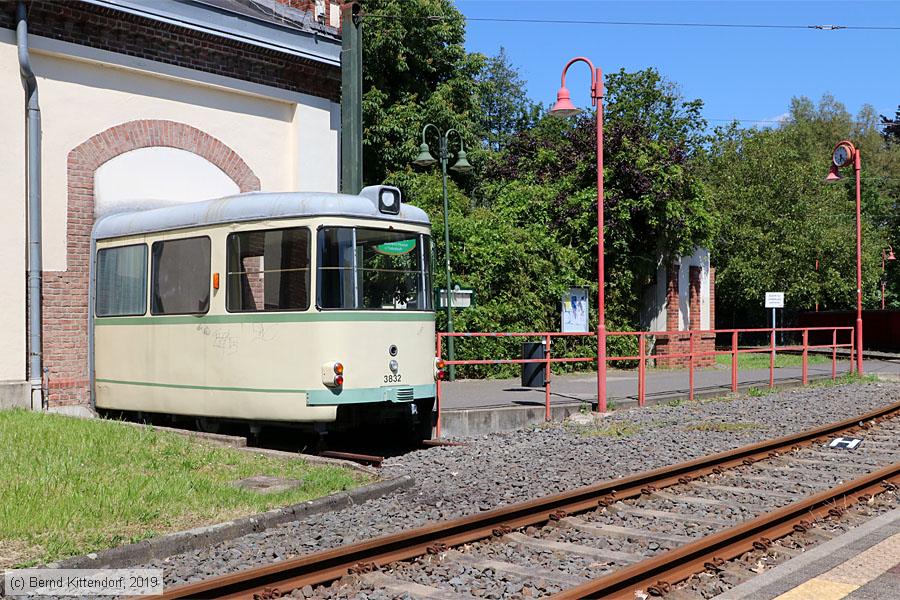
35	260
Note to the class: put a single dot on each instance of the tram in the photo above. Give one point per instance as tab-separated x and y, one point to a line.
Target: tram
307	309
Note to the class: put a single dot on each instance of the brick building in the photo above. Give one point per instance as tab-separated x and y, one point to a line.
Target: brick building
683	299
160	101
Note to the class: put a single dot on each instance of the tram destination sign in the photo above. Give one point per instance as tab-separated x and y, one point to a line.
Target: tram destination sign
396	247
774	299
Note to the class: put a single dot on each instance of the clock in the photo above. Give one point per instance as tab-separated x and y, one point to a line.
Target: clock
843	153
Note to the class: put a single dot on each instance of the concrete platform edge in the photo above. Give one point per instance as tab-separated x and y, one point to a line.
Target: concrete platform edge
820	559
202	537
468	422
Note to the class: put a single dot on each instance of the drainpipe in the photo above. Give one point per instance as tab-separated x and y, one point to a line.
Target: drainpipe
35	263
351	99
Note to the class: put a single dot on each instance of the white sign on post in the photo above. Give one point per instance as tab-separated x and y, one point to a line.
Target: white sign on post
774	299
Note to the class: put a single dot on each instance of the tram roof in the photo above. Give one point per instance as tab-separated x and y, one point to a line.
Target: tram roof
252	206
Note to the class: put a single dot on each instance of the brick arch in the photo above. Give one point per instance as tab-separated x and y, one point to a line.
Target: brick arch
65	293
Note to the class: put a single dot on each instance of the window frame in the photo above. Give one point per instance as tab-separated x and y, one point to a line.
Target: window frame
153	274
146	301
309	278
354	227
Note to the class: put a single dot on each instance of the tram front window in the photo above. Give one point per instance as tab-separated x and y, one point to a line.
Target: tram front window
373	269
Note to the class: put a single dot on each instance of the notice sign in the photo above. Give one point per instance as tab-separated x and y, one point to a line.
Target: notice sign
774	299
575	311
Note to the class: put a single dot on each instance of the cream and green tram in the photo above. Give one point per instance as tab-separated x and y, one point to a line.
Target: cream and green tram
285	308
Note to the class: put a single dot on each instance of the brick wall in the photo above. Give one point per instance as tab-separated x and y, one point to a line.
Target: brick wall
107	29
65	293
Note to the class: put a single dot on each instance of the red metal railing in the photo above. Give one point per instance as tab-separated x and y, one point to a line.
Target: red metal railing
642	356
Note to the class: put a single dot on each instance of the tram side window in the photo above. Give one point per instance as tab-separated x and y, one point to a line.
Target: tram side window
268	270
121	281
373	269
180	277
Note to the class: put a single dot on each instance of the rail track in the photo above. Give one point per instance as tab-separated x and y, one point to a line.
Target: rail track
643	532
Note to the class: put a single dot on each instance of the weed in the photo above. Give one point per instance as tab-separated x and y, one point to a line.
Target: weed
845	379
756	392
616	429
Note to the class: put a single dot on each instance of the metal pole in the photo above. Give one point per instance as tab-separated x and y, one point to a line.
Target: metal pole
734	361
450	347
597	89
773	332
642	371
547	379
805	368
859	321
351	99
691	367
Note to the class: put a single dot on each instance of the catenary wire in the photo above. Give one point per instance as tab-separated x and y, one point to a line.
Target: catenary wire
822	27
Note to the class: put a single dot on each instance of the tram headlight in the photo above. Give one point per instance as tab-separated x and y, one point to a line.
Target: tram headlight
389	200
439	368
333	374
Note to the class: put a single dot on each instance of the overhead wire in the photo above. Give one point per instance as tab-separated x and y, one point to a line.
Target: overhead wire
687	24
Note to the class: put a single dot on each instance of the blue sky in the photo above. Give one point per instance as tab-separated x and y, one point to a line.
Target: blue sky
738	73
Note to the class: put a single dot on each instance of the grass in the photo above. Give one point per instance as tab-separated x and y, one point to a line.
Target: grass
722	427
71	486
761	360
616	429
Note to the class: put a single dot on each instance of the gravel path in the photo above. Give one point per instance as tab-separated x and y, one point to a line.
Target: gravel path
503	468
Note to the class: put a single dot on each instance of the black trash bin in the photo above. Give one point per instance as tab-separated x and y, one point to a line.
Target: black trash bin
533	372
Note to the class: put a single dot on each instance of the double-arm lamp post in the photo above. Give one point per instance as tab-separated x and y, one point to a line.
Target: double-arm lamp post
843	154
425	159
564	108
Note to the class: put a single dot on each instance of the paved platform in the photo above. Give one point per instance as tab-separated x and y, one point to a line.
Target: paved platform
662	385
862	564
478	406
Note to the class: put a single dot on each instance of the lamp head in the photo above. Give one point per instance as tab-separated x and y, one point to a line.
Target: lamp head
424	159
834	174
461	165
563	106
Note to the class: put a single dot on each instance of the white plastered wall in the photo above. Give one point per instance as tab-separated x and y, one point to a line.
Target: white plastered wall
654	310
12	222
157	176
289	140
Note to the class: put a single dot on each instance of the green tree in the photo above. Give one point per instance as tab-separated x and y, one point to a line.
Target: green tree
416	70
777	217
505	107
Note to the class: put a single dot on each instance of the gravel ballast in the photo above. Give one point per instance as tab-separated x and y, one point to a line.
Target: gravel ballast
503	468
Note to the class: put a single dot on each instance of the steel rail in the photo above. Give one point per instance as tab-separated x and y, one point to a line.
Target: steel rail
657	574
329	565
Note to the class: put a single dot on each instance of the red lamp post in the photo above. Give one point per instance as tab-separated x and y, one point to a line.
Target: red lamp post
843	154
817	282
563	108
889	256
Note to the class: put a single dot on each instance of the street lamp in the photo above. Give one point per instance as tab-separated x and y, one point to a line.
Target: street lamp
843	154
425	159
565	108
889	256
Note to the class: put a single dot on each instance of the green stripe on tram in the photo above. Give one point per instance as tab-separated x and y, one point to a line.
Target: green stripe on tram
317	317
217	388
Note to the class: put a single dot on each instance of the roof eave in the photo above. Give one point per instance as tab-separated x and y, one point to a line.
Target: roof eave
311	45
